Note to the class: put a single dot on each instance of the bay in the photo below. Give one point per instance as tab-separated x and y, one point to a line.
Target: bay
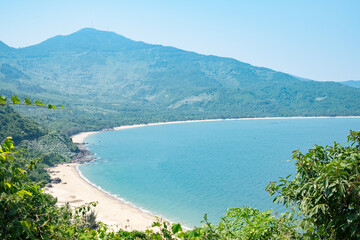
182	171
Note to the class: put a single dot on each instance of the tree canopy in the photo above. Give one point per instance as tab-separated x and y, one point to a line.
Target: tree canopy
325	190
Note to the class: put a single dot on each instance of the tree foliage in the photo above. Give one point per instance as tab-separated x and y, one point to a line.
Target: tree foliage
326	190
25	211
17	126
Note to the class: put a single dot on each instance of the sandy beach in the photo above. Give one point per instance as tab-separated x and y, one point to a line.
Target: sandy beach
79	138
75	190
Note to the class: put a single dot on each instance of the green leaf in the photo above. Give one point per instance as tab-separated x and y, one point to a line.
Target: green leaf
23	192
38	103
51	106
156	224
7	184
3	99
176	228
21	170
27	101
15	100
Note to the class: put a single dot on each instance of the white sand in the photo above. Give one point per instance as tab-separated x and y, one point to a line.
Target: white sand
79	138
76	191
214	120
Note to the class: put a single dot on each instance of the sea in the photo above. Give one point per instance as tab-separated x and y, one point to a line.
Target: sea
182	171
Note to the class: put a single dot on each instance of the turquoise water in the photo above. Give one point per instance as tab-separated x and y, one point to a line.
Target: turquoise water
181	171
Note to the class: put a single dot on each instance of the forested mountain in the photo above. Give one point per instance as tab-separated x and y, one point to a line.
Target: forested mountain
107	80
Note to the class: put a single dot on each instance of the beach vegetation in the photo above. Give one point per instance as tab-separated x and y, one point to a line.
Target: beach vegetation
26	212
325	190
250	223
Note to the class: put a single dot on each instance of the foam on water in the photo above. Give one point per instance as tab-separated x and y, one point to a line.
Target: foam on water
116	196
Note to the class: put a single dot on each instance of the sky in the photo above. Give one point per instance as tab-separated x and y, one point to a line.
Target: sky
319	40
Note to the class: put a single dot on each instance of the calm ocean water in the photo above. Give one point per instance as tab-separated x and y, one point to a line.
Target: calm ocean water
181	171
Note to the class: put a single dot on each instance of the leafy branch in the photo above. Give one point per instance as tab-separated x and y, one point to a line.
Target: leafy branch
14	100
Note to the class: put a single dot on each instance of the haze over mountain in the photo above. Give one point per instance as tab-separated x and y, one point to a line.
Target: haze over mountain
109	79
352	83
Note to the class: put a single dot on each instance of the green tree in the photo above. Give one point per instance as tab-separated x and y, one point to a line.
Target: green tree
326	190
25	211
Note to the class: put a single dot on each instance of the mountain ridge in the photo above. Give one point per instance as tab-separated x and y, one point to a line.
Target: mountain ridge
79	41
5	49
105	76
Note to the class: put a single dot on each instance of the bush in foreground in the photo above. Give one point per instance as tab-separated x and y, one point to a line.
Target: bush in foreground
325	190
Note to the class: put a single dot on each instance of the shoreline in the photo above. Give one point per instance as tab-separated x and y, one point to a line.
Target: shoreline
76	190
79	137
113	195
111	209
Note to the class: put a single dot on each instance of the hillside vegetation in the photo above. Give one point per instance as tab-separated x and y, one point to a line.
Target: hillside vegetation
17	126
48	147
108	80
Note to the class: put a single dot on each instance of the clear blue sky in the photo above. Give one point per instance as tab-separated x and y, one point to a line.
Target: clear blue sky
318	39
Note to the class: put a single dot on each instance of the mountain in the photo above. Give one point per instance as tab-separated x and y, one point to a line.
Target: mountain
107	80
352	83
301	78
86	39
5	50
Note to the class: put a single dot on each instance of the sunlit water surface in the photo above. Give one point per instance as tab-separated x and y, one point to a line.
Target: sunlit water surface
181	171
